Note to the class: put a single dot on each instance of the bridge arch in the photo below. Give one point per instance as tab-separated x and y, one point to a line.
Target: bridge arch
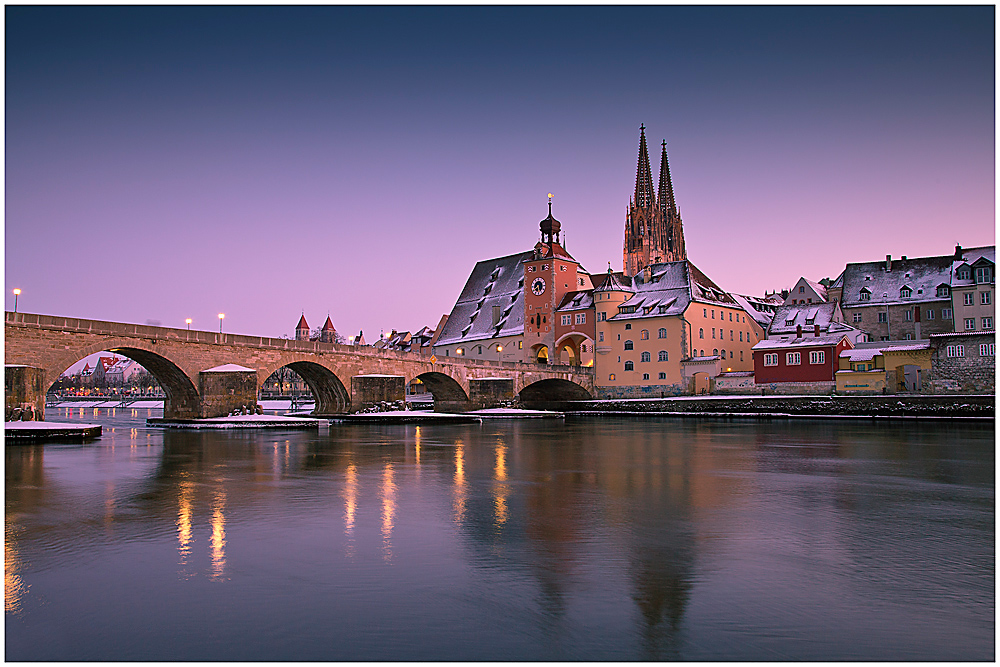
447	392
332	397
182	399
553	390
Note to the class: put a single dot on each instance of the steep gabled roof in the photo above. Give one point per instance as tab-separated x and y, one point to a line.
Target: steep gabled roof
302	323
493	282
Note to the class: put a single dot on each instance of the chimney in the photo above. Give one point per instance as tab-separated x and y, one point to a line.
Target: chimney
646	274
816	330
888	263
798	331
904	258
958	252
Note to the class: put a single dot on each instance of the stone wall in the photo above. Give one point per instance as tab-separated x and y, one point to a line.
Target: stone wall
367	391
740	384
648	391
796	388
223	392
490	392
969	374
24	392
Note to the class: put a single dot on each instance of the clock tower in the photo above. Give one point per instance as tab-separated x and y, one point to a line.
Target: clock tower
548	276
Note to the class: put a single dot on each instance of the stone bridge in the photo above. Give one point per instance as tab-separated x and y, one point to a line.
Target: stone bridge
208	374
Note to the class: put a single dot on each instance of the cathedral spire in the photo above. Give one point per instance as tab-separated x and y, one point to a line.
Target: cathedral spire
644	195
666	193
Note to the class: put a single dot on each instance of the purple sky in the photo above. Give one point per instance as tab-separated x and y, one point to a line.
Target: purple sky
165	163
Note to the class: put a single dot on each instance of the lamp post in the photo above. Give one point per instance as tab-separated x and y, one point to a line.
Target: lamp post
499	350
222	316
188	323
17	290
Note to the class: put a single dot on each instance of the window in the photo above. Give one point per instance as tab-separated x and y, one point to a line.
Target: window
628	327
581	318
704	313
770	359
741	336
701	333
956	350
583	347
929	314
663	376
479	349
970	323
905	293
603	316
629	366
600	336
984	298
882	317
793	358
817	357
730	317
644	357
942	290
970	298
730	334
963	273
611	378
644	334
908	315
645	376
983	275
857	318
713	313
790	322
946	313
520	344
628	345
741	355
987	322
715	352
987	350
562	267
865	295
908	336
662	356
566	320
713	332
662	333
802	289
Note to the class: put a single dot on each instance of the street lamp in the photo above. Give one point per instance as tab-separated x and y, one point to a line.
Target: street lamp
222	316
17	290
499	350
188	322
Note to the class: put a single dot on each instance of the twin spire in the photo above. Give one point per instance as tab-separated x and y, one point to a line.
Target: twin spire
645	197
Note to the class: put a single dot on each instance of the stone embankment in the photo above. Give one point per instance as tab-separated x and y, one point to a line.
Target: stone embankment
980	407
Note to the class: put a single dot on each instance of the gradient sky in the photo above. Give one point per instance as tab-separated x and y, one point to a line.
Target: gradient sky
174	162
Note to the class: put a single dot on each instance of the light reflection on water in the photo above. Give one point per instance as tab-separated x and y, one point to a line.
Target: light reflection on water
610	539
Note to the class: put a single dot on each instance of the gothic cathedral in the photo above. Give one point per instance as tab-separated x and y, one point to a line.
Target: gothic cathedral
653	229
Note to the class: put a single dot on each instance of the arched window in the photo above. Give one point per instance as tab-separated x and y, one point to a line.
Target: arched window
644	356
629	366
628	345
715	351
628	327
663	333
662	356
644	334
701	333
723	354
611	378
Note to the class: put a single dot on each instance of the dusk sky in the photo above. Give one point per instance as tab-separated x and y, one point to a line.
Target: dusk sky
173	162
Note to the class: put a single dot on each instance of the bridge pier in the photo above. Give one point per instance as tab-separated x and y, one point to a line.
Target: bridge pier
224	389
370	390
24	387
490	392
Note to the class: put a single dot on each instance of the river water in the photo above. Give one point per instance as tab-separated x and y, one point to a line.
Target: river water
589	539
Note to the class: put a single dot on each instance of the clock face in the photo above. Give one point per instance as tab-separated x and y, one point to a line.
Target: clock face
537	285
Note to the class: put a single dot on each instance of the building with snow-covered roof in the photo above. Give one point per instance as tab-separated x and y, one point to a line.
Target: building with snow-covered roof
973	279
760	310
575	325
903	299
660	331
826	318
806	291
802	365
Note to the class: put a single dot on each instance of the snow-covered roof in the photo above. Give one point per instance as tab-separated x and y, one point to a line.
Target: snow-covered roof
971	256
612	282
672	286
806	341
582	300
493	282
227	368
922	275
758	309
987	332
787	319
861	354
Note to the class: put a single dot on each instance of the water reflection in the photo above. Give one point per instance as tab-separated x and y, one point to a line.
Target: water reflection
596	539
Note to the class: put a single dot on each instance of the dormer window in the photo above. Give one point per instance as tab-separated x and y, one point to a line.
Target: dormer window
983	275
905	293
942	290
963	273
790	322
866	294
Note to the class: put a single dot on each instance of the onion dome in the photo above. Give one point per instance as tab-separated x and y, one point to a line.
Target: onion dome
549	226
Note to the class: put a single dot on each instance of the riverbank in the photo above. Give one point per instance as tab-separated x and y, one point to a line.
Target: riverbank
977	407
24	432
